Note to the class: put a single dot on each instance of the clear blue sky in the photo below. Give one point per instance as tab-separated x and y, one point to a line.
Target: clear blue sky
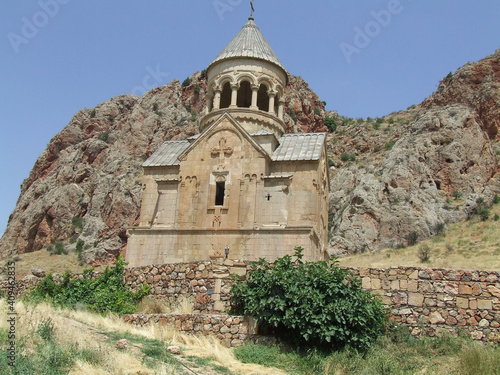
364	58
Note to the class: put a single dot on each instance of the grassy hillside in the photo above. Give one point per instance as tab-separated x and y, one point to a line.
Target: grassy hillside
51	342
472	244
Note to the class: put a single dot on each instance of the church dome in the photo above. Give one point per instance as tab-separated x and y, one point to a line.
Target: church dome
247	79
249	43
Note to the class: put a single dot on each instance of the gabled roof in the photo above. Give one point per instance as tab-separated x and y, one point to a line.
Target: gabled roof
167	155
299	147
249	42
236	126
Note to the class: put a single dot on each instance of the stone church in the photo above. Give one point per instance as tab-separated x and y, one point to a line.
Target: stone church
241	188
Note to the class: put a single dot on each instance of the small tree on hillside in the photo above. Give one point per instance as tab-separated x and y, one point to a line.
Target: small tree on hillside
312	304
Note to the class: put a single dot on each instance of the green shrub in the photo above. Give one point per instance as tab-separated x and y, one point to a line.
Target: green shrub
59	249
412	238
45	329
347	157
92	113
79	248
293	115
77	222
389	145
314	304
106	292
196	89
331	124
424	253
484	214
457	194
104	137
496	199
440	227
186	82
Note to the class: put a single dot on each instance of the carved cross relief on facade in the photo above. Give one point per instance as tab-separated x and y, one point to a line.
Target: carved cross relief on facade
223	151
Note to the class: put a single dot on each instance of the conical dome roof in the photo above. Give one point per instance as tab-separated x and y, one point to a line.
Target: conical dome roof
250	43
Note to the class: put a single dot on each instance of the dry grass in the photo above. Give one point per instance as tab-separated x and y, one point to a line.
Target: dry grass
157	305
98	333
49	263
473	244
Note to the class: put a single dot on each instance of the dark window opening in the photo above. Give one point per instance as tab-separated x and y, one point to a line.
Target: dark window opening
263	98
220	189
244	95
225	99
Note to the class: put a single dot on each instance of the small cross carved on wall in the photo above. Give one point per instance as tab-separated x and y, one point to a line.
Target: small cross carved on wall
222	150
268	196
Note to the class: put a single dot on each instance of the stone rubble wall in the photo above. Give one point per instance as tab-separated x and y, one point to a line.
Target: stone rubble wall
230	330
207	283
436	300
424	299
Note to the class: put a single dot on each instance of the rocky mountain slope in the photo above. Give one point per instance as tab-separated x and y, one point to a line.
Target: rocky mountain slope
85	187
393	180
411	167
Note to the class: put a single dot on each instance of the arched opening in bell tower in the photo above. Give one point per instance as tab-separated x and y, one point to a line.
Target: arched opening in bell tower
244	95
263	98
225	98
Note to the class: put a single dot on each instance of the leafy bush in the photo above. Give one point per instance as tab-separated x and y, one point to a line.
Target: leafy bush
92	113
440	227
412	238
59	249
496	199
104	137
196	89
347	157
331	124
79	248
389	145
484	214
186	82
424	253
105	293
313	304
77	222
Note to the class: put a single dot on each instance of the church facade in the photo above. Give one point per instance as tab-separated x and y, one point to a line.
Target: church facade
242	188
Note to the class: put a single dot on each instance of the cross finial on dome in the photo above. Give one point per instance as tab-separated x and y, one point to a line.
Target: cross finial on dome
252	11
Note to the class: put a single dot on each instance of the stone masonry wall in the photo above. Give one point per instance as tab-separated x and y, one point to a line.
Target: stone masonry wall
230	330
438	299
206	283
426	299
421	298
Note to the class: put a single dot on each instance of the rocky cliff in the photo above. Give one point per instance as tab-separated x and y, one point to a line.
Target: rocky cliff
393	180
86	185
404	177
